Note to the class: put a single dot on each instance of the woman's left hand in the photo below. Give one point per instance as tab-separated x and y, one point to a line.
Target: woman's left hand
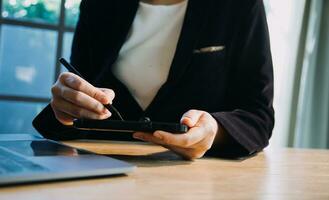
191	145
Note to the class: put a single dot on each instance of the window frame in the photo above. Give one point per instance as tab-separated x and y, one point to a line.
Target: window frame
60	28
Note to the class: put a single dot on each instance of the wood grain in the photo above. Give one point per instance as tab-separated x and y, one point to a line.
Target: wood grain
273	174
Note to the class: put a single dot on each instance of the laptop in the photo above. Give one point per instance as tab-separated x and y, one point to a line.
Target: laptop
26	158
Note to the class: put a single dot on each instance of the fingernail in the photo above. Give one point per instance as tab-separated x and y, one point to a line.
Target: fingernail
104	100
186	121
158	135
105	111
69	80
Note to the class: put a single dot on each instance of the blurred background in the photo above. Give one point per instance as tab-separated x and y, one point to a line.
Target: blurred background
35	33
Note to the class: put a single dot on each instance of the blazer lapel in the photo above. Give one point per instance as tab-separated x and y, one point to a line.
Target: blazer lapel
191	31
194	21
110	40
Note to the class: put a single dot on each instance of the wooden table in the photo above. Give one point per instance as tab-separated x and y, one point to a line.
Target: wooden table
272	174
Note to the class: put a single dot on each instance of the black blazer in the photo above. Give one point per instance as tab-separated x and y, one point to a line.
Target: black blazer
235	84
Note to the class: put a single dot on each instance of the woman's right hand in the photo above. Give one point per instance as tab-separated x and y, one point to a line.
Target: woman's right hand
73	97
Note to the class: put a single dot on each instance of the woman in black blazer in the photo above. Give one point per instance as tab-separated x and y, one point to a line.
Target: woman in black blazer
220	81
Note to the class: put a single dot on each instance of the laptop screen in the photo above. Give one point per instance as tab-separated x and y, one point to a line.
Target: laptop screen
41	148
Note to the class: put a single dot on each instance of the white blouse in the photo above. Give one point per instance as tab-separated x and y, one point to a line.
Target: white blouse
144	60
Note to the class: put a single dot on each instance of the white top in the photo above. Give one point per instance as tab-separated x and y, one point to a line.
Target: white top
146	56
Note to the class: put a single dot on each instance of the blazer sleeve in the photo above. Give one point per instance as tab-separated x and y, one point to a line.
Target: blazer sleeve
249	121
46	123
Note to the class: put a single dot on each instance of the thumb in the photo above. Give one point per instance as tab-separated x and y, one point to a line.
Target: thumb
109	95
191	118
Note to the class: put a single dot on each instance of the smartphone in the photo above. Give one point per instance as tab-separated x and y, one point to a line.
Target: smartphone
128	126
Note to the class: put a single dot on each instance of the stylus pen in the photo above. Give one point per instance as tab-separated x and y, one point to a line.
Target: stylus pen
69	67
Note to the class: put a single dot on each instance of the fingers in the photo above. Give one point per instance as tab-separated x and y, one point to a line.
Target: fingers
191	145
197	118
191	117
75	111
77	83
109	94
186	153
79	98
186	140
73	97
148	137
193	136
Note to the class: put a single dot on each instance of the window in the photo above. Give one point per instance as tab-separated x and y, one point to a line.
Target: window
285	22
33	35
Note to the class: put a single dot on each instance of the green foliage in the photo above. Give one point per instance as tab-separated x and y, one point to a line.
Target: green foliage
72	12
36	10
45	11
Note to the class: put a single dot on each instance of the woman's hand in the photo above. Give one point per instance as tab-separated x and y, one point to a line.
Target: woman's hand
191	145
73	97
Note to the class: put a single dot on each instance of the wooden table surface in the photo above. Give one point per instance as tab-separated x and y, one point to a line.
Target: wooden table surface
273	174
